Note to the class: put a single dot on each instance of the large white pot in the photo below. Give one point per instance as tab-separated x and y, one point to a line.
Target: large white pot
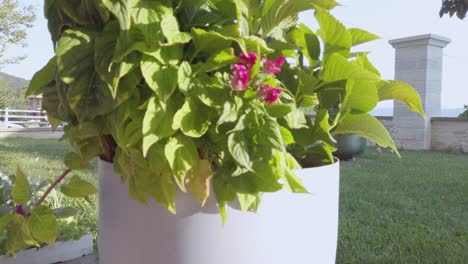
289	228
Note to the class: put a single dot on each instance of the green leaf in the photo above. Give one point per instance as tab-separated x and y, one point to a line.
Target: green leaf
402	92
161	79
74	161
87	95
336	37
212	91
238	144
366	126
247	201
21	192
359	36
43	77
184	77
218	60
321	129
146	16
4	221
162	188
121	10
75	52
194	118
209	42
337	68
279	110
181	153
287	136
170	29
267	132
307	42
19	236
360	96
198	180
230	111
285	164
112	72
278	15
157	123
363	60
43	224
78	188
296	119
83	130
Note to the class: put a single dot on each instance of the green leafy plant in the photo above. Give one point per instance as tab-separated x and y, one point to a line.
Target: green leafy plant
194	96
26	223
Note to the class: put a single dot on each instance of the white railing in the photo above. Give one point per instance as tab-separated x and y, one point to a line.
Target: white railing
23	118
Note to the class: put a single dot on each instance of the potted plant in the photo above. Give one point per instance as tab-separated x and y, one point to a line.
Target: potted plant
197	105
29	228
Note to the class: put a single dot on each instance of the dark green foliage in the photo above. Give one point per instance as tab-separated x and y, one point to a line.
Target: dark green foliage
451	7
464	115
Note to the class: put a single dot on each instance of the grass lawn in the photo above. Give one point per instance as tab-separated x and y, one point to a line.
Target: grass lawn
409	210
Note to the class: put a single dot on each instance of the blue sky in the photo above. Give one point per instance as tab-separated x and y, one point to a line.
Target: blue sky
388	19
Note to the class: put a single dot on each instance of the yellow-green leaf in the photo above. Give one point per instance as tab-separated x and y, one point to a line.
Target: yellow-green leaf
18	235
43	224
198	180
21	192
181	153
366	126
359	36
78	188
402	92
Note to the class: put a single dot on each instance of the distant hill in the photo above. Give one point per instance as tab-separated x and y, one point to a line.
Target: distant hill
13	82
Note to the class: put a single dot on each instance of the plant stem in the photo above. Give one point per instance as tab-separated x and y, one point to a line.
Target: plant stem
54	184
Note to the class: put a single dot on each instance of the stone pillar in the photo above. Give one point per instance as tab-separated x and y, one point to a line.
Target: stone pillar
418	61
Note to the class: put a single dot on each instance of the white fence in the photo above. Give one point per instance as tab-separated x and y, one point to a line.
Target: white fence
23	118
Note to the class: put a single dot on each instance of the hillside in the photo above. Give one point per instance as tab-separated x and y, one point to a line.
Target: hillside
13	82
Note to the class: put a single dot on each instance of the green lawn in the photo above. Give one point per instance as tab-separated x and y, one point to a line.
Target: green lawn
409	210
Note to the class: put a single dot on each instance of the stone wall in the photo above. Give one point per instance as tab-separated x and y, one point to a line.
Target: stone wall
446	134
29	133
449	133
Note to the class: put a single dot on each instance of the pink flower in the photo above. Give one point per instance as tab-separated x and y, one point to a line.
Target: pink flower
268	93
249	59
273	67
240	78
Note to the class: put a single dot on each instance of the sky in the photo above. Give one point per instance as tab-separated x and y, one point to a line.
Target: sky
389	19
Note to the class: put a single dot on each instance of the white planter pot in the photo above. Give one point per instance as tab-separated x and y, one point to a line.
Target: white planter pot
58	252
289	228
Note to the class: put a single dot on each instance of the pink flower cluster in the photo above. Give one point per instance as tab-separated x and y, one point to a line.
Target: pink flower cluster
269	93
242	74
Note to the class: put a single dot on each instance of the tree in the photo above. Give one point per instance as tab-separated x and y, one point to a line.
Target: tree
11	98
15	19
451	7
464	115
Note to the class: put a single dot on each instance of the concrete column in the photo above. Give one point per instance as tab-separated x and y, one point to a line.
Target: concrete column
418	61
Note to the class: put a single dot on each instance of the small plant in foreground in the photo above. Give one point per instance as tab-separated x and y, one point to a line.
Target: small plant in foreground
25	218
